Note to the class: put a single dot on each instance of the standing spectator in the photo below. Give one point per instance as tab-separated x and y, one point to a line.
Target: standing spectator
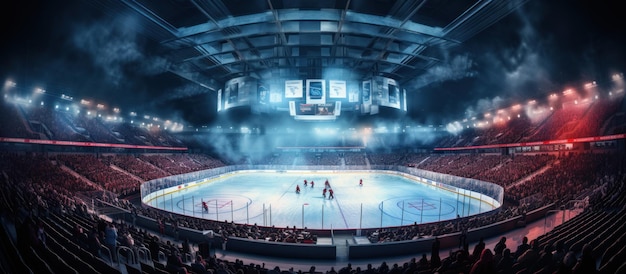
161	226
346	269
41	234
500	246
110	240
435	260
522	247
478	249
93	242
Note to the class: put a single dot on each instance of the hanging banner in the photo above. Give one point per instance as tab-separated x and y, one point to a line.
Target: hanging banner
219	100
366	93
293	89
336	89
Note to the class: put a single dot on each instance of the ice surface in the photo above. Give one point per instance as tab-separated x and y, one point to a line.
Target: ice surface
269	198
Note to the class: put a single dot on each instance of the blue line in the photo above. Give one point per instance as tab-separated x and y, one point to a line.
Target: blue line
345	222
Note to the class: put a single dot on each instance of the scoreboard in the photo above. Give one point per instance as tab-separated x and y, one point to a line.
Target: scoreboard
312	99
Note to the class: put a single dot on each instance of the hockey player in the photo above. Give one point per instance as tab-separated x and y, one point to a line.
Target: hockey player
205	207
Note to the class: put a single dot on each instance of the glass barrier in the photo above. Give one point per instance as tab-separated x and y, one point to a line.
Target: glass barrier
165	189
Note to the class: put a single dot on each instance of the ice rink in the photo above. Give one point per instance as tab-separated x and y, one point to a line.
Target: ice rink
269	198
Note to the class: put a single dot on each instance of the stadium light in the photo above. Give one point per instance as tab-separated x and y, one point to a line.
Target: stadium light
590	84
9	84
617	76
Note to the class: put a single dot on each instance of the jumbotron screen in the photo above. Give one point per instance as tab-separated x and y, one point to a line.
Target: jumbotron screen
312	99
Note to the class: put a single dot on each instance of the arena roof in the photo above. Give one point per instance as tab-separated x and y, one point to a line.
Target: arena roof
210	42
456	58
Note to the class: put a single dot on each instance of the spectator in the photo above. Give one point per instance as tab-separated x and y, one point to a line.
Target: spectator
435	260
199	265
505	264
93	242
500	246
478	249
175	263
110	240
346	269
586	263
484	265
522	247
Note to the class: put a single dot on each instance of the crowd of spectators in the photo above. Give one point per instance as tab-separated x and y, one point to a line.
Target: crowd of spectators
49	122
13	124
569	120
89	166
135	166
355	159
45	122
92	125
559	122
45	189
175	164
514	169
591	123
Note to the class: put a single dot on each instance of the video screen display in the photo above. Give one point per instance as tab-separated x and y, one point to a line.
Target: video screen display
315	109
316	91
232	91
394	93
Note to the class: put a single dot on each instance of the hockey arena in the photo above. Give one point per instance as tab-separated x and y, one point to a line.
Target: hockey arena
312	137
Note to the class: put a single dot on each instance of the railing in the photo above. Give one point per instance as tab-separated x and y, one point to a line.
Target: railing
108	251
129	254
144	255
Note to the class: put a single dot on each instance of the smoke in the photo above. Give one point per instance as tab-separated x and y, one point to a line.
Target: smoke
483	106
451	69
537	113
513	68
115	47
185	91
